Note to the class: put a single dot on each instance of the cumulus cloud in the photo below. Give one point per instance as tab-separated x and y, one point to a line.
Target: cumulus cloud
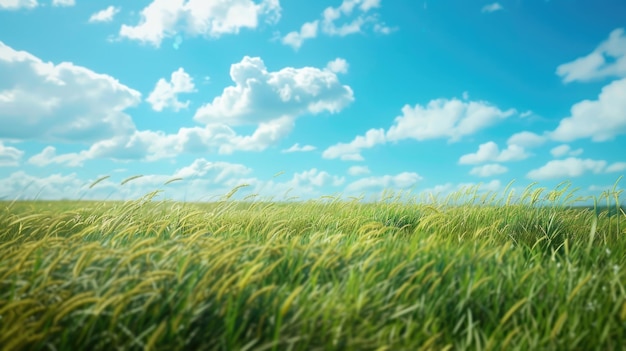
568	168
262	96
105	15
46	101
488	170
402	180
489	152
18	4
295	38
166	18
358	170
607	60
600	120
492	7
297	148
9	156
64	3
563	150
441	118
165	94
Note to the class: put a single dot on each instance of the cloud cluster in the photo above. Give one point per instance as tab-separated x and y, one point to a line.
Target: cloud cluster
359	13
166	18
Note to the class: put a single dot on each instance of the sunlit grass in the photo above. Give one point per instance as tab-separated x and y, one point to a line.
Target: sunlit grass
472	270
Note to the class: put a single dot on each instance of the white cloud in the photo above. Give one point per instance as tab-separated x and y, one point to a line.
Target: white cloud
607	60
165	94
489	152
297	148
303	185
402	180
352	150
49	156
526	139
357	20
488	170
443	190
64	3
338	65
262	96
333	14
358	170
568	168
43	101
149	145
9	156
17	4
105	15
215	171
526	114
317	178
295	39
165	18
616	167
443	118
563	150
56	186
601	120
492	7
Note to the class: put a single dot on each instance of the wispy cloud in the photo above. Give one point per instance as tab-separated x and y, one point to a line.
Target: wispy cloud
492	7
297	148
105	15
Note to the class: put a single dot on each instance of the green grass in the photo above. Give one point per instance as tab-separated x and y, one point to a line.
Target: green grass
471	271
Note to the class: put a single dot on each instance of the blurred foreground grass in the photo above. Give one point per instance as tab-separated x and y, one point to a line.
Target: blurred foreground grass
483	273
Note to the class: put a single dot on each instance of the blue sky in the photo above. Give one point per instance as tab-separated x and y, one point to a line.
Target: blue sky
343	96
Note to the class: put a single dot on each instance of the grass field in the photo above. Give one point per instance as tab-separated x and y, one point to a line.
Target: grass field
490	272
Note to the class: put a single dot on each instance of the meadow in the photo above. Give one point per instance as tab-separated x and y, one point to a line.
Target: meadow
470	271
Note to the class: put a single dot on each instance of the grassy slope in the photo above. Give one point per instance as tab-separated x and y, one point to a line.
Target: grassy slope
317	275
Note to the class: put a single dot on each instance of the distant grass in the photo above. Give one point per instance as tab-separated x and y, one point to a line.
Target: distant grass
470	271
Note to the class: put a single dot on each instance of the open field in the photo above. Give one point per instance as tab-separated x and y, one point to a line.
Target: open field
487	273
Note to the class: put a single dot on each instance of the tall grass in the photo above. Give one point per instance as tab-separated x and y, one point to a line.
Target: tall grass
471	271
